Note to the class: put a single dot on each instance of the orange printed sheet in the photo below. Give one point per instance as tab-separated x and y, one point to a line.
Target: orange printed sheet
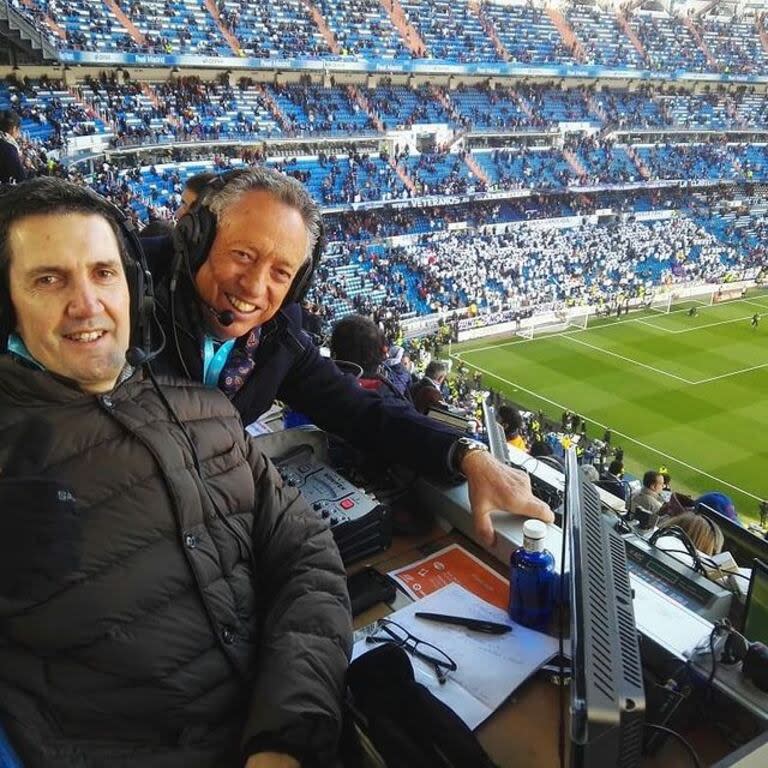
453	565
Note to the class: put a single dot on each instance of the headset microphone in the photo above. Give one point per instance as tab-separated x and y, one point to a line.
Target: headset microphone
225	318
136	357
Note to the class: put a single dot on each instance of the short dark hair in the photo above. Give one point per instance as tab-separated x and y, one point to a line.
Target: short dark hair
650	478
357	339
435	369
616	467
9	120
510	419
47	195
199	181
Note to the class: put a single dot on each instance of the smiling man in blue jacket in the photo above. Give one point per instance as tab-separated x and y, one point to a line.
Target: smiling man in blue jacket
229	288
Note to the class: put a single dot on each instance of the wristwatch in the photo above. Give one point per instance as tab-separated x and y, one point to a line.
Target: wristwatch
461	448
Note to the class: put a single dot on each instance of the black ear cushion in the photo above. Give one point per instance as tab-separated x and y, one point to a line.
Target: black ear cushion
755	665
303	278
193	237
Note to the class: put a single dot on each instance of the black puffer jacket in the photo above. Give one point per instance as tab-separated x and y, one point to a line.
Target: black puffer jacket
147	634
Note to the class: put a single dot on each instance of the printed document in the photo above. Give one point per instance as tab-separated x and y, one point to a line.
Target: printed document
489	667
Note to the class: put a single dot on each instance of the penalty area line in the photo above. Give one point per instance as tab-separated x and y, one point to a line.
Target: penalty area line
631	439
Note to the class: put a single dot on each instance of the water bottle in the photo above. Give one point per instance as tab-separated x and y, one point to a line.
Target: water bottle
532	579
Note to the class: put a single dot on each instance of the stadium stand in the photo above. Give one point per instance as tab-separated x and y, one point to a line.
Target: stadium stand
602	39
450	31
363	28
527	34
668	43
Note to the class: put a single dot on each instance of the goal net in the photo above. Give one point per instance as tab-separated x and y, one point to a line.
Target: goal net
553	323
661	303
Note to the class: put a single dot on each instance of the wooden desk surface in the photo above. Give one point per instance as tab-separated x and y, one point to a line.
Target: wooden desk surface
523	733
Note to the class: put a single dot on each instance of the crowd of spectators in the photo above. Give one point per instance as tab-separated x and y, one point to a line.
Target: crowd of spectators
446	31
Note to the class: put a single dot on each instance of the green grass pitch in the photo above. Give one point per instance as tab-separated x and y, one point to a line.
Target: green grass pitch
690	393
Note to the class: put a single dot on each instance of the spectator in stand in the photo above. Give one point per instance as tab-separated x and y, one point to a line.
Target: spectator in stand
158	228
704	534
358	340
512	422
398	366
718	503
427	392
193	186
11	164
649	496
612	480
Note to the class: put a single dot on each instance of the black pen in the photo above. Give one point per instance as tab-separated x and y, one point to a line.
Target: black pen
477	625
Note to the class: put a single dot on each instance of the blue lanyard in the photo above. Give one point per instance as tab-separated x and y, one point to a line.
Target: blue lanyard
214	360
16	346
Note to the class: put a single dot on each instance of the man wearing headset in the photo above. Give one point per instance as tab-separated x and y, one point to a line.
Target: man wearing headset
243	258
164	601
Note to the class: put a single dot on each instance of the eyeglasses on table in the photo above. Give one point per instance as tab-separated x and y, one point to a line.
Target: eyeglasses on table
391	632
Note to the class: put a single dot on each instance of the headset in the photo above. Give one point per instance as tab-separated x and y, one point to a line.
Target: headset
194	235
142	301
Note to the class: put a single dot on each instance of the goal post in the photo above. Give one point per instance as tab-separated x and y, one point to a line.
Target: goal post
553	322
661	302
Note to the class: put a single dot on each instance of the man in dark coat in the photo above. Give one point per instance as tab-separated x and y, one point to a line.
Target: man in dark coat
240	262
11	166
165	602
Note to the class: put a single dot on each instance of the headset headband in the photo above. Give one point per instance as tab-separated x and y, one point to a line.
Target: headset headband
136	272
196	230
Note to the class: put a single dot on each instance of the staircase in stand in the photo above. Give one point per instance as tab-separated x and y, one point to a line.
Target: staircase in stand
322	25
575	163
490	30
477	170
50	23
567	34
696	32
364	104
596	109
638	161
762	34
232	41
407	31
410	184
445	100
632	35
130	27
274	108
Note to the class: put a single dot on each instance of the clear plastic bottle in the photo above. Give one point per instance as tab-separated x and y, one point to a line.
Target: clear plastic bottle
532	579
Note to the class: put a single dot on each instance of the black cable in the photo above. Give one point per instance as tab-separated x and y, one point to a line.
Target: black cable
560	644
176	334
714	566
712	636
686	744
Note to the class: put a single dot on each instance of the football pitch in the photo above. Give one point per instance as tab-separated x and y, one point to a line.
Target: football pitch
690	393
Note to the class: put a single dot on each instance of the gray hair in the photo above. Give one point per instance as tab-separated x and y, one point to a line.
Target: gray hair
284	188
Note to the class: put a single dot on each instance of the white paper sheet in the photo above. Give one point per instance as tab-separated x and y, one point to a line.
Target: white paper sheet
490	667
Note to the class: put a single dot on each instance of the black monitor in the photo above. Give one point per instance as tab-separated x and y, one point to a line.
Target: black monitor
607	693
744	545
497	440
755	627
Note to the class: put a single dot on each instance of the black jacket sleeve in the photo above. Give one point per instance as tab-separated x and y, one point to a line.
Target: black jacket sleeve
307	637
389	427
11	168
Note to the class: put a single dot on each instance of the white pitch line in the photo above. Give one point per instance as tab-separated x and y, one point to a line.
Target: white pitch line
640	320
631	361
732	373
651	325
712	325
647	447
